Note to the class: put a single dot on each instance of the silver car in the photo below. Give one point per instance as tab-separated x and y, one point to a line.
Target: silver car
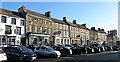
46	51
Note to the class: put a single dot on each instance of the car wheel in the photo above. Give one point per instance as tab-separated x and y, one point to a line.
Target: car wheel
20	59
52	56
37	55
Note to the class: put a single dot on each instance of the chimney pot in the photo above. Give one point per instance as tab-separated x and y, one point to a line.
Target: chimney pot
74	21
92	28
64	19
99	29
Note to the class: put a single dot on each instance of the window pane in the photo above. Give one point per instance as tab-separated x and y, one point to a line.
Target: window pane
13	21
22	23
18	30
8	29
3	19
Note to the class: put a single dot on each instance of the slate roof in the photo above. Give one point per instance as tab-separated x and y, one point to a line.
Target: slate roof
58	21
10	13
36	13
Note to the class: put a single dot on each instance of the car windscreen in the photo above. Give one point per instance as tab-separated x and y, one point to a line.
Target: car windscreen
24	49
50	49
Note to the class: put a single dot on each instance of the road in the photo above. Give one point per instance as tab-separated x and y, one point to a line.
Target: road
109	56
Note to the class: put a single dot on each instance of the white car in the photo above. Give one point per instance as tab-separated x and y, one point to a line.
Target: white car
46	51
3	56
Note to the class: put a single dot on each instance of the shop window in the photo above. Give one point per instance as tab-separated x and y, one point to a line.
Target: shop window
3	40
13	41
13	21
8	29
3	19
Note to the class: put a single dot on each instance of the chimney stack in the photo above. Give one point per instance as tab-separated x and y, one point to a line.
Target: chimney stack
102	29
98	29
84	25
48	14
74	21
92	28
64	19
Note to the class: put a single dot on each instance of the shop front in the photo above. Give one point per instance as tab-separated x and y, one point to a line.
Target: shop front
66	40
75	41
40	39
6	40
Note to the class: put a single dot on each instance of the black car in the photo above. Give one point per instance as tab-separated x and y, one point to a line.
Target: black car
88	49
108	48
19	53
64	51
96	49
32	47
78	50
115	48
101	48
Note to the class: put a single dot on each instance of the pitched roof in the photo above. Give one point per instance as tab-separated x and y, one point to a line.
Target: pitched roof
10	13
72	24
80	26
36	13
58	21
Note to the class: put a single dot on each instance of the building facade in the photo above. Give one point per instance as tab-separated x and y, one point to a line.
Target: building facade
61	32
112	37
98	36
101	36
11	27
29	27
39	27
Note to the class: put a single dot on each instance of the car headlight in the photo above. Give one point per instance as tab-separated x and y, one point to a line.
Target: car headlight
25	55
92	50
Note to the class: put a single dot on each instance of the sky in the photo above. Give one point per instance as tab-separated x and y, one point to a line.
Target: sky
94	14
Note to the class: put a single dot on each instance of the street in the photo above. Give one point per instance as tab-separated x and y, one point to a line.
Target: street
108	56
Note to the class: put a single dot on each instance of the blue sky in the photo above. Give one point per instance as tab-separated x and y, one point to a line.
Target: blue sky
97	14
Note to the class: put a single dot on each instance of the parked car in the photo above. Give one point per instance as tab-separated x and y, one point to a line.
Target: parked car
108	48
115	48
19	53
32	47
46	51
96	49
78	50
101	48
88	49
63	51
3	56
67	47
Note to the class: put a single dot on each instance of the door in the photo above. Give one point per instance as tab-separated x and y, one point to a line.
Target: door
14	54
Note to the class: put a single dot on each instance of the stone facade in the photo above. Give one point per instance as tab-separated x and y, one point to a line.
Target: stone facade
43	29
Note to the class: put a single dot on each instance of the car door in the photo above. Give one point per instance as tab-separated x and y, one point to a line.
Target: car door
38	50
14	53
45	51
11	53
